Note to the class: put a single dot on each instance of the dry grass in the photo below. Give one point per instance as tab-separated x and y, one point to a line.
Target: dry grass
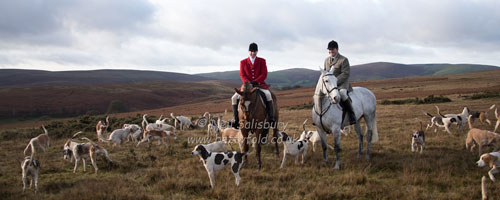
444	171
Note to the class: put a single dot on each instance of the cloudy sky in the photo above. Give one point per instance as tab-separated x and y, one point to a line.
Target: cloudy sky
195	36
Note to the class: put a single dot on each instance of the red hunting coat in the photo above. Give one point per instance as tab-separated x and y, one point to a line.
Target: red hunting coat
256	72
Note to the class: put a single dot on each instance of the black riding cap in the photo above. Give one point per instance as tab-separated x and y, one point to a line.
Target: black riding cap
253	47
333	45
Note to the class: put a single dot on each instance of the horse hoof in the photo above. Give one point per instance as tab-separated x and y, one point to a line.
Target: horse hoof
337	166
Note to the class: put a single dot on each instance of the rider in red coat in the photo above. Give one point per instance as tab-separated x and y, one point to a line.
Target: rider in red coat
254	70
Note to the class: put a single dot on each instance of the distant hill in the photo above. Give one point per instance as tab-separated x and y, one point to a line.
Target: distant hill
383	70
26	102
370	71
20	77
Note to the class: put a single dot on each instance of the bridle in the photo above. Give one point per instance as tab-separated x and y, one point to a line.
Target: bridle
252	111
323	112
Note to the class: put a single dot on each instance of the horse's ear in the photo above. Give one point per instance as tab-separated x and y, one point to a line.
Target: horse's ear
323	72
253	90
237	91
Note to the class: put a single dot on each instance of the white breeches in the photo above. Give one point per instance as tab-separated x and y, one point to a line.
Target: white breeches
343	94
236	96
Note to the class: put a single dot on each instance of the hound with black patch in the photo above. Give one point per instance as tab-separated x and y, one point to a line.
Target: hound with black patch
214	162
30	168
81	151
313	136
493	160
418	139
460	119
41	141
292	148
437	121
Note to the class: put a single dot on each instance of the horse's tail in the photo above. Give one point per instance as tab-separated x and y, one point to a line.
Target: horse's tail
375	131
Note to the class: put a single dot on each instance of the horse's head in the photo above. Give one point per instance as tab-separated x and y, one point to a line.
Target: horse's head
328	86
248	96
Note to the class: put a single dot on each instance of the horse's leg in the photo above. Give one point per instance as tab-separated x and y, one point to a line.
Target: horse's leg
258	133
244	132
370	121
357	127
275	140
324	144
336	147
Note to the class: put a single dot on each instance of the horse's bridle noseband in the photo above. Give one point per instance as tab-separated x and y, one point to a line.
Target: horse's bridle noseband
324	85
321	113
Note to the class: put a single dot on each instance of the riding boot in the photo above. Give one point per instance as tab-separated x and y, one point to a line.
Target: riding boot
270	113
348	106
236	121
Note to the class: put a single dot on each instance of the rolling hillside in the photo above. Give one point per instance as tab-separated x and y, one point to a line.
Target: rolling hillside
29	102
19	77
370	71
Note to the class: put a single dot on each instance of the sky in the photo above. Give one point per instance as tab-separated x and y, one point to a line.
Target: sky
198	36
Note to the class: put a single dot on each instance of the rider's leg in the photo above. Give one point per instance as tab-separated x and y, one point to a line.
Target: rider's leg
269	106
234	101
346	104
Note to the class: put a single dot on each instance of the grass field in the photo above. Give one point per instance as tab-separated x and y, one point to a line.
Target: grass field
444	171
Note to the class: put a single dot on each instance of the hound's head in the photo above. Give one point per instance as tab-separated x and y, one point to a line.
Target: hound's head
415	134
200	150
284	136
486	159
68	153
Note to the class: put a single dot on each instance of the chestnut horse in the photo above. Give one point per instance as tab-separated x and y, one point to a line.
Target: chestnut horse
254	119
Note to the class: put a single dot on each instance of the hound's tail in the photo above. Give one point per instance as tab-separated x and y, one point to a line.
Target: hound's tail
107	123
421	127
175	118
144	121
304	125
46	132
375	130
468	121
91	142
426	113
76	134
496	114
28	147
492	106
159	119
439	112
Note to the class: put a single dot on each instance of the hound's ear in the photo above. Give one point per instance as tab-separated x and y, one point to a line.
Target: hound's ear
253	90
492	159
237	91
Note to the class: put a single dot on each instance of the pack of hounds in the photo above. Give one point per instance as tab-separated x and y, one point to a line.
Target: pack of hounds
476	137
215	156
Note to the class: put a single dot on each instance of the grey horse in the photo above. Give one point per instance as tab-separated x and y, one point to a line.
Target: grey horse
327	114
